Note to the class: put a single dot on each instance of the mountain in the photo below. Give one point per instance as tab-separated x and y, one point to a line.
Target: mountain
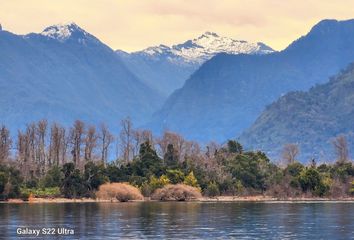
65	73
166	68
311	119
227	93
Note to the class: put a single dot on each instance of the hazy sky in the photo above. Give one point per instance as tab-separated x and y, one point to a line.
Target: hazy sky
135	24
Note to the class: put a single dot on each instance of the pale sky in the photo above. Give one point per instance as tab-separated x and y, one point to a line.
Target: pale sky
135	24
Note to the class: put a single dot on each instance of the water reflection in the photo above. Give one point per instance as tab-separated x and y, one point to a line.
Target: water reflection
180	220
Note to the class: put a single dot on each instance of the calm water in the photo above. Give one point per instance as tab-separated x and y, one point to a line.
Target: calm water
182	220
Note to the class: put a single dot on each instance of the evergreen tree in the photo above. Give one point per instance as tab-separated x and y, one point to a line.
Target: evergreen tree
234	147
148	163
171	157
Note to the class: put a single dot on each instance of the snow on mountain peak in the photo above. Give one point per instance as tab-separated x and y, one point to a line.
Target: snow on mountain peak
205	47
63	32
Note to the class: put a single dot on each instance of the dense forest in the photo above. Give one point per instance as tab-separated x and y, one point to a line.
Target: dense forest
50	160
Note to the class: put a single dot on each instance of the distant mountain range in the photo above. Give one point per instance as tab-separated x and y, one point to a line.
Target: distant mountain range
64	74
310	119
228	92
166	68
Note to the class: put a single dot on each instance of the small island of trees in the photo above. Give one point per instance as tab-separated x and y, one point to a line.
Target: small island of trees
51	161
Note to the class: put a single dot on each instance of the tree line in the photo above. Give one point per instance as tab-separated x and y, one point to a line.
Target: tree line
53	160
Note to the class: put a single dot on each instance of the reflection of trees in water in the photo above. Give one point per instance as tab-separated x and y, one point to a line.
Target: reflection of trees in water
184	219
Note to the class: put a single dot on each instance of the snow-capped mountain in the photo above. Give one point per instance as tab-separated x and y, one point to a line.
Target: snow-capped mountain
227	93
68	31
64	74
166	68
205	47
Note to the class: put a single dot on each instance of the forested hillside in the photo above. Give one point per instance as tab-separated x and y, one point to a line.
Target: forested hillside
311	119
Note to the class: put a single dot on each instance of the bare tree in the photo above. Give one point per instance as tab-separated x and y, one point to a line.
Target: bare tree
106	139
175	139
90	142
35	167
341	148
55	144
76	137
126	139
141	136
5	144
41	133
23	155
290	152
65	139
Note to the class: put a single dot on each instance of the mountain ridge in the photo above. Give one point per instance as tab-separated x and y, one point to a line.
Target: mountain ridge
166	68
62	80
227	93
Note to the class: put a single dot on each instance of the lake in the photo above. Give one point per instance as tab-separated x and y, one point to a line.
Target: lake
179	220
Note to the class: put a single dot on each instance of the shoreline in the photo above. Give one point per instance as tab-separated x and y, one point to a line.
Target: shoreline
203	199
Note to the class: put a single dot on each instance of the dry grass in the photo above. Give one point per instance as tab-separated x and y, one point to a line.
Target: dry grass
123	192
178	192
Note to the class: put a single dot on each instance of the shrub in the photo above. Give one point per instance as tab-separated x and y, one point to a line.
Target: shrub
309	179
49	192
73	184
160	182
212	190
178	192
53	178
352	189
175	175
25	196
154	183
145	189
123	192
32	183
191	180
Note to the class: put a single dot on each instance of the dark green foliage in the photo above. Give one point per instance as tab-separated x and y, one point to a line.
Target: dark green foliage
310	118
148	163
175	176
3	181
73	184
94	175
251	168
116	174
231	171
10	182
53	178
171	157
212	190
294	169
32	183
234	147
311	180
343	171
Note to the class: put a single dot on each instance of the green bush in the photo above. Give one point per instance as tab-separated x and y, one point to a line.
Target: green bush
213	190
191	180
175	176
160	182
352	189
41	192
53	178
